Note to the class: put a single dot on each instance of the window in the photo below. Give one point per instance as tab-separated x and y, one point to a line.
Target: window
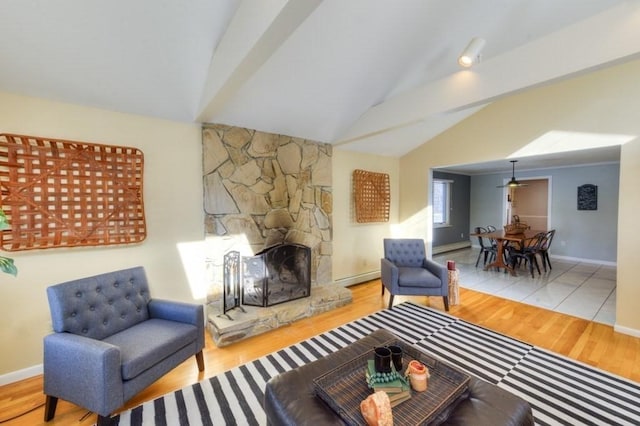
441	201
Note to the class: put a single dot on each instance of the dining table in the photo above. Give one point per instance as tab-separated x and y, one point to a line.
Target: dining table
503	238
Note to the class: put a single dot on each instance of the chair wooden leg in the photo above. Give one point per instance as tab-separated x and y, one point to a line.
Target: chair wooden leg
50	407
383	289
390	300
446	302
105	421
200	361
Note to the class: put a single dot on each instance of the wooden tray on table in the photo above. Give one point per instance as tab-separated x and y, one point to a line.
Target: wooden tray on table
344	387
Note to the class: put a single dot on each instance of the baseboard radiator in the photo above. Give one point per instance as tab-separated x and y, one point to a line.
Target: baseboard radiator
357	279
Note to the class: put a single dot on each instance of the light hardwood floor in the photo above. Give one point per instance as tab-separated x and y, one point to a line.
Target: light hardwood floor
592	343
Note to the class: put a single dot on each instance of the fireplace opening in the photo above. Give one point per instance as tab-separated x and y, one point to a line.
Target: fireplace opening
277	274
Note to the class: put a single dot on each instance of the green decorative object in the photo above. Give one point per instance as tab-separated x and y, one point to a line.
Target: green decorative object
6	264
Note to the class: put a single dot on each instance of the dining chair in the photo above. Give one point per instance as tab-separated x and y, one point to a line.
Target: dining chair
487	247
528	252
494	244
544	249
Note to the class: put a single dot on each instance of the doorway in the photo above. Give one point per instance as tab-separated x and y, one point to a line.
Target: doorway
531	203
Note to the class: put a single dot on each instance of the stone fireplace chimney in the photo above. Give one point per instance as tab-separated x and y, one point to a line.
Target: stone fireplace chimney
266	189
264	194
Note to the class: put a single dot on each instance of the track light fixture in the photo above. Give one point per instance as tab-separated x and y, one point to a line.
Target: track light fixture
471	53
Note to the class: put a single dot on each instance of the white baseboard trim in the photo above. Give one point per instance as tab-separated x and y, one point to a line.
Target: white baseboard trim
571	259
581	260
626	330
357	279
16	376
450	247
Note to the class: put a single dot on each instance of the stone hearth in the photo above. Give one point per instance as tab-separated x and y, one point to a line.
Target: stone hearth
257	320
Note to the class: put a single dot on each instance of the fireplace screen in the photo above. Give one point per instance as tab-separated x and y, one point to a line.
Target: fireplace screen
276	275
231	290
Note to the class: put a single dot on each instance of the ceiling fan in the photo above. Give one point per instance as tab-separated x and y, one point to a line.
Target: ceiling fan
513	183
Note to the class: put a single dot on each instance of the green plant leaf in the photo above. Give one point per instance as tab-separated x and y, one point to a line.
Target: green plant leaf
7	266
4	224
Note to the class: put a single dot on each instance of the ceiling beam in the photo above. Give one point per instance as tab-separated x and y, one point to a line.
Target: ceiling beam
255	33
606	38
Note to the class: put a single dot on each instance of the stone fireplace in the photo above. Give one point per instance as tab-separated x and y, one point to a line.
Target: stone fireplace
263	191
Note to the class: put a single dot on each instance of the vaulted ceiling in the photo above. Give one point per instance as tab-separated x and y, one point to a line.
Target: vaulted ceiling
375	76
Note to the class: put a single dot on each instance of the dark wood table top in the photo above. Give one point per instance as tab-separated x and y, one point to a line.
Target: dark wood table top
502	236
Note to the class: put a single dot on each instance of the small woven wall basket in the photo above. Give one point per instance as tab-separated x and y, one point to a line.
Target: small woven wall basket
371	196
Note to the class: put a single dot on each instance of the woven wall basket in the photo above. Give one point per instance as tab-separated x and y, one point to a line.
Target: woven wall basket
371	196
59	193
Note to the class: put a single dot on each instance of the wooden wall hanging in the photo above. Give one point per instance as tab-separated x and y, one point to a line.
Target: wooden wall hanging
371	194
59	193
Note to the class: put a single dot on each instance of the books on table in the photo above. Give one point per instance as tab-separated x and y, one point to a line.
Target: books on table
397	389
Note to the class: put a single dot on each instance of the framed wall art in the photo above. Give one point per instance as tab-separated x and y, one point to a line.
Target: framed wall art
588	197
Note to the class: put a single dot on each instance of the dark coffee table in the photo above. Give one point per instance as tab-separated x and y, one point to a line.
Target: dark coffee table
290	398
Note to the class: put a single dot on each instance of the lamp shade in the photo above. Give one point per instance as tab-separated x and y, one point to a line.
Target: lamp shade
471	53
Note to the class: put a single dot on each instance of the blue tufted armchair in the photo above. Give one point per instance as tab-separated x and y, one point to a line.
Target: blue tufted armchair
111	340
406	271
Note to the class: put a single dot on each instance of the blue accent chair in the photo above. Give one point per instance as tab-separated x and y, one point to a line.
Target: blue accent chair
111	340
406	271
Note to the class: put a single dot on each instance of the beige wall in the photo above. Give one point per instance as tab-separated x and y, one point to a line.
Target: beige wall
628	285
605	101
357	247
173	204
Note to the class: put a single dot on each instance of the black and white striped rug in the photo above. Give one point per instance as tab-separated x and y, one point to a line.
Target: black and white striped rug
560	390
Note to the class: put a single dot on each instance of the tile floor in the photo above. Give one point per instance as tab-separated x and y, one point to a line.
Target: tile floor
584	290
